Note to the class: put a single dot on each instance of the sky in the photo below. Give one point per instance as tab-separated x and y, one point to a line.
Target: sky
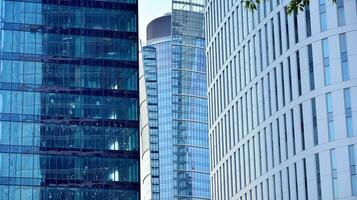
149	10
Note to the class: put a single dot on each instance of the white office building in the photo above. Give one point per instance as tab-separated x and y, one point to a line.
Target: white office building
282	95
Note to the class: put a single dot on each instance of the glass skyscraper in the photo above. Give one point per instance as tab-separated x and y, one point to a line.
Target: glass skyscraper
175	156
69	100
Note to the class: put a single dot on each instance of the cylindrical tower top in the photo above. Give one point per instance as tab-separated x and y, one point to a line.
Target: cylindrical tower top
159	27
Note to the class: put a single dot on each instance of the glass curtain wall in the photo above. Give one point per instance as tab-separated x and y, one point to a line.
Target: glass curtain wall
69	100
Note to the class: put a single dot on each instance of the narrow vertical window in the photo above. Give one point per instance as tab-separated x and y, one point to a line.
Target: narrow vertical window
276	90
296	182
334	173
318	176
331	128
274	187
231	178
323	18
314	121
344	57
311	67
266	45
279	35
286	139
289	188
290	80
352	160
308	21
260	153
296	27
298	72
279	141
348	111
302	126
263	98
340	13
266	150
281	185
269	94
260	50
305	180
293	130
287	28
282	81
254	57
272	145
273	36
326	61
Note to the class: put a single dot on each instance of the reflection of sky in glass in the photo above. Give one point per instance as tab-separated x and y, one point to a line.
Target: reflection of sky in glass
149	10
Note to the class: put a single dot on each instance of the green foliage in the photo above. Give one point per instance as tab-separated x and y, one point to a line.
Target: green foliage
293	6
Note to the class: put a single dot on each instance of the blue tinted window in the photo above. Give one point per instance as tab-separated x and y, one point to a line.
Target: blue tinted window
326	61
348	112
334	173
353	172
340	13
344	57
323	17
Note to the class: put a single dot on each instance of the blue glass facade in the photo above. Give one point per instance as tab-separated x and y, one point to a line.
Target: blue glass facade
182	105
69	100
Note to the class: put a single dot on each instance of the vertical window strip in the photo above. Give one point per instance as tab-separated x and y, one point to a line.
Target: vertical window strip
352	161
326	61
344	57
286	139
290	81
318	176
296	181
276	91
298	72
314	121
289	188
308	21
311	67
273	36
293	130
282	82
296	27
279	35
287	28
334	173
305	180
266	45
279	142
323	17
272	145
330	120
348	112
302	126
340	12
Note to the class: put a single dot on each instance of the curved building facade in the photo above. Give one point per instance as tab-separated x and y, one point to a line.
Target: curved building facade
282	93
175	155
69	99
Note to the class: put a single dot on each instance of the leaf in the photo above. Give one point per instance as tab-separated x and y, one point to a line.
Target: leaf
294	5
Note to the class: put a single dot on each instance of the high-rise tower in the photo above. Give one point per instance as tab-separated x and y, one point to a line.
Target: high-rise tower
282	93
69	100
173	84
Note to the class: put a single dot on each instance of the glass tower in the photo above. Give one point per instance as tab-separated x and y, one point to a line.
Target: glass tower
69	100
174	81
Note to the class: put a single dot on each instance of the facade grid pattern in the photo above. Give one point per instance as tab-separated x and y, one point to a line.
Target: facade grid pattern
281	95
